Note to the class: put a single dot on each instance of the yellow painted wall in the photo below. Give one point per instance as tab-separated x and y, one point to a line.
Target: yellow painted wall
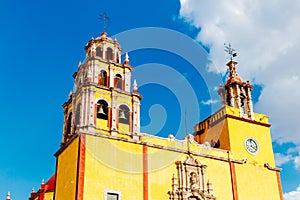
240	130
112	165
48	196
256	182
117	165
66	172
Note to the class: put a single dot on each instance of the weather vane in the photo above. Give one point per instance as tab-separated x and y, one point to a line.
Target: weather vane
231	52
103	17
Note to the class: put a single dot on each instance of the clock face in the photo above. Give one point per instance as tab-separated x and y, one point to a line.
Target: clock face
251	145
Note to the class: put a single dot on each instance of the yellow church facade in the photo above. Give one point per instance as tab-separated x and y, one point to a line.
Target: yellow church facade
103	154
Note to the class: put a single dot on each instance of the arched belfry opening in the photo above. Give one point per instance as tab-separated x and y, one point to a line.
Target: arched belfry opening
118	81
102	109
109	54
124	114
99	51
103	80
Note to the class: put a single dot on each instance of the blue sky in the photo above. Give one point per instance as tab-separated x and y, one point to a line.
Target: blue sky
41	43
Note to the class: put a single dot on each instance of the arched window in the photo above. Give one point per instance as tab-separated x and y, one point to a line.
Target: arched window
102	110
109	53
103	78
193	198
68	126
77	115
123	114
99	52
117	57
118	81
243	98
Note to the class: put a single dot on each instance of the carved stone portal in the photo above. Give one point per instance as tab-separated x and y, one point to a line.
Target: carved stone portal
190	183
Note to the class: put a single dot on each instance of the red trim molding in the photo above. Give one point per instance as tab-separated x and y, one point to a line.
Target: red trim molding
233	181
81	167
145	173
248	120
279	185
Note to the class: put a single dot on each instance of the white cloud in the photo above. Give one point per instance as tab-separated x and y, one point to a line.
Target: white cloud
297	162
209	102
266	35
281	159
293	195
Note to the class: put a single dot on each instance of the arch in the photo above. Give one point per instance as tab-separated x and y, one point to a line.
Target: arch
77	115
117	58
99	51
109	53
124	114
103	80
242	103
118	81
68	126
193	198
102	109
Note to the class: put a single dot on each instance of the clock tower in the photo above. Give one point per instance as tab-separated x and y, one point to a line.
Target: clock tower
245	135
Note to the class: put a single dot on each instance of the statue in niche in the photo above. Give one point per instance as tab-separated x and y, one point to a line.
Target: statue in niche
194	181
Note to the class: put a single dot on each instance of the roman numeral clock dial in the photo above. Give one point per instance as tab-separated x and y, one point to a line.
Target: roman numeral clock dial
251	145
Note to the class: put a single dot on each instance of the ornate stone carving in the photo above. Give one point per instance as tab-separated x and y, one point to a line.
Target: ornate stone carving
190	183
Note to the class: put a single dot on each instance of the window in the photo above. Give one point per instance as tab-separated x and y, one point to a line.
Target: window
77	115
102	110
68	125
109	53
99	52
103	78
118	81
243	98
112	196
117	56
123	114
193	198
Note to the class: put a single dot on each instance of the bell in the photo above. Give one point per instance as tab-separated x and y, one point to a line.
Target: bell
100	110
122	115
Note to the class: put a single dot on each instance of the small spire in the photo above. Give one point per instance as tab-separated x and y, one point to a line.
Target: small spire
209	188
32	190
8	196
43	181
80	63
126	59
70	94
174	183
135	88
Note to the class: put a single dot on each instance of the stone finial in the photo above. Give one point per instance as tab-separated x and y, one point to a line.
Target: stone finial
8	196
93	49
135	88
209	188
126	61
80	63
70	94
174	183
32	190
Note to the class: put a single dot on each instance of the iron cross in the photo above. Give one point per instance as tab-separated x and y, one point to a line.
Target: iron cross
103	17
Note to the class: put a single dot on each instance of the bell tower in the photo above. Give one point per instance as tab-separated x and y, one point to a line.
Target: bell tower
237	93
102	100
